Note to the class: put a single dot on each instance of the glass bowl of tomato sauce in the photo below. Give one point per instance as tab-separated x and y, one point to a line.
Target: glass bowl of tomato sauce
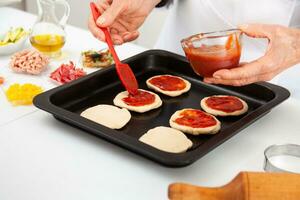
210	52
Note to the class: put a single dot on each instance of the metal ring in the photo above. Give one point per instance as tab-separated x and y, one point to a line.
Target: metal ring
280	150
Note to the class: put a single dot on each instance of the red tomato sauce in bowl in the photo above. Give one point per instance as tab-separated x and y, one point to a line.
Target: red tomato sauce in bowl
210	52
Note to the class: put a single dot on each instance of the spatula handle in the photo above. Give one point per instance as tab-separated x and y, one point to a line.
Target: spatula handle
96	14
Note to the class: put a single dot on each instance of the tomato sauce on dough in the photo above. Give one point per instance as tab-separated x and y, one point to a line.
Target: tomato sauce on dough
226	104
142	98
168	83
195	119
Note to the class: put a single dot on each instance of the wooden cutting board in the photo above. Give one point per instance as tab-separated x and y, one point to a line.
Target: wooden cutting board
245	186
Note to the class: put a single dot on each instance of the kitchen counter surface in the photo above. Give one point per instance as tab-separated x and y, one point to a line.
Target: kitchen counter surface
42	158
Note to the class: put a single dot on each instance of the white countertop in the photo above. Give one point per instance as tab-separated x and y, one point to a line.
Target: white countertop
42	158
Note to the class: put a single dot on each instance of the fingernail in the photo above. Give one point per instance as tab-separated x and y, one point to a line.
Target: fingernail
117	42
126	37
101	21
126	33
216	76
99	38
207	80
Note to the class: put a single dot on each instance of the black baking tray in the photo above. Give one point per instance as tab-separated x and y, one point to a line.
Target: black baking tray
68	101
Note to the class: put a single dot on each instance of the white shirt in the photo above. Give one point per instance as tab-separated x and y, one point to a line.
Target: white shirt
188	17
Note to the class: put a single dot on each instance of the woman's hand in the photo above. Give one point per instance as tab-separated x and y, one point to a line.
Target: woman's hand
123	17
283	52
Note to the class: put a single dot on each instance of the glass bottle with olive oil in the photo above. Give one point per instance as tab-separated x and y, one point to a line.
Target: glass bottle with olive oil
48	35
48	43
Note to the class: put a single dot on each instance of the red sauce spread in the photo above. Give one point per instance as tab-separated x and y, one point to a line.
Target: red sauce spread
168	83
140	99
226	104
195	119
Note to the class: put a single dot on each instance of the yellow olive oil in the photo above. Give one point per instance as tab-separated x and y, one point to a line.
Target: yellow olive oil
48	44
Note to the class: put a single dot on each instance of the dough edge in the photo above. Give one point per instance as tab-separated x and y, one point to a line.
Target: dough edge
182	146
221	113
169	93
115	125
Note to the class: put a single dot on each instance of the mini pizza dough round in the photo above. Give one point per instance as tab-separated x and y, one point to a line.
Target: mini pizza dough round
140	109
222	113
167	139
194	131
107	115
167	92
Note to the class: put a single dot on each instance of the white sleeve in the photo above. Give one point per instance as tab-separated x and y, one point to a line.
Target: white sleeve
295	21
235	12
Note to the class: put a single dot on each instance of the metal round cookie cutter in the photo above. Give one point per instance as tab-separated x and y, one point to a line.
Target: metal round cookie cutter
291	150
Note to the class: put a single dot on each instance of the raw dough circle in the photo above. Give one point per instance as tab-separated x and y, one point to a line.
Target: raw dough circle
107	115
167	139
222	113
140	109
194	131
167	92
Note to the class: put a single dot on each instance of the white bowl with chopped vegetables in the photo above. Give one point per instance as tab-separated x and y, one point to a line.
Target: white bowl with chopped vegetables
12	40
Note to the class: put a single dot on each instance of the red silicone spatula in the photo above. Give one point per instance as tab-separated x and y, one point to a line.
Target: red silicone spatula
124	71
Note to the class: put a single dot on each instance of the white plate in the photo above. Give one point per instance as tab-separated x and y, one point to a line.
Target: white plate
13	47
